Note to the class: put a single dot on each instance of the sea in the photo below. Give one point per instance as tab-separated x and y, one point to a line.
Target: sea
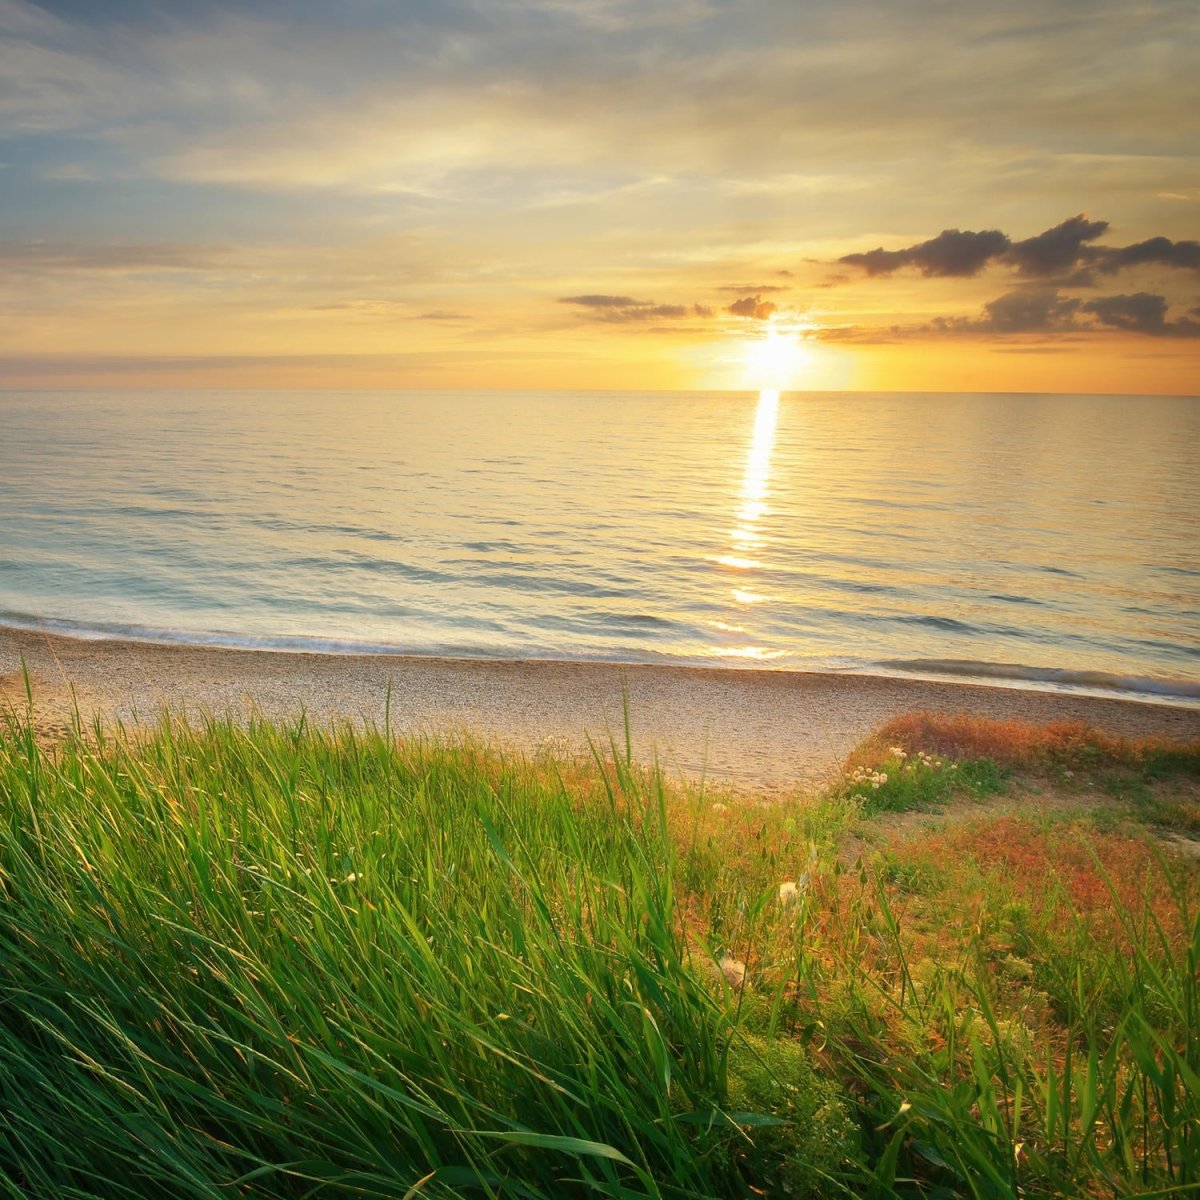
1048	541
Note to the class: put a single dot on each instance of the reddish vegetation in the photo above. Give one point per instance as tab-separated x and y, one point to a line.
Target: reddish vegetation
1063	872
1018	744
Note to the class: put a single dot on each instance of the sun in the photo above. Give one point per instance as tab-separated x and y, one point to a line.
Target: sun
774	357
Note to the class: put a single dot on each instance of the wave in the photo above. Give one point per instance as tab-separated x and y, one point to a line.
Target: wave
103	631
963	668
1094	682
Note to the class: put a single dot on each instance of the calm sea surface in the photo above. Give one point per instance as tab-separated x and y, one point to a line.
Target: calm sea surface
1043	538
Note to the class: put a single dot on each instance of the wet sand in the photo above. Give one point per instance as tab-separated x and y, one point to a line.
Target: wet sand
751	729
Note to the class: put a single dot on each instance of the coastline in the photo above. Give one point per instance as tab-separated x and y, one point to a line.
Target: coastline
757	730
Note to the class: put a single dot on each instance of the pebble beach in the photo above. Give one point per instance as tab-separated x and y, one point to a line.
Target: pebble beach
757	730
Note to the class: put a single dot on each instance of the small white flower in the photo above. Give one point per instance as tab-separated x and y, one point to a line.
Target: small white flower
733	970
789	893
720	808
351	878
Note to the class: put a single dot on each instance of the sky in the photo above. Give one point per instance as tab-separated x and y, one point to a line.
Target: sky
814	194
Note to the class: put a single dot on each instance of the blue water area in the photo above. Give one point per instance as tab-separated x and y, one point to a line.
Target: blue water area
1053	540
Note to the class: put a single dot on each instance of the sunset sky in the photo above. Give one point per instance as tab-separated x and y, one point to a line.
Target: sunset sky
601	193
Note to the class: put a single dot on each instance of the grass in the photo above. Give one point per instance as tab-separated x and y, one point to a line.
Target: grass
282	961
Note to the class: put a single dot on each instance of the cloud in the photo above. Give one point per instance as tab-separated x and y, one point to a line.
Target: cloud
626	308
1158	250
752	306
1025	310
369	96
742	288
147	256
954	252
1055	253
1056	250
1035	310
451	121
1045	310
649	312
74	367
656	312
1141	313
592	300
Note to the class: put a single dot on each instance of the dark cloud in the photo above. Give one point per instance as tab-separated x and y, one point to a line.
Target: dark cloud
600	301
439	315
954	252
1029	310
1056	250
963	253
1158	250
1064	253
1081	277
625	308
752	306
1141	312
878	261
1045	310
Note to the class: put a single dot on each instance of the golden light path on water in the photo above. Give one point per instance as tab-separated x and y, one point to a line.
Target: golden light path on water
746	538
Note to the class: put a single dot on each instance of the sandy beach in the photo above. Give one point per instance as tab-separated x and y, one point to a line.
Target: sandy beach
757	730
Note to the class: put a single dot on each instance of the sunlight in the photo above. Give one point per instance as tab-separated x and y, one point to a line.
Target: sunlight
774	358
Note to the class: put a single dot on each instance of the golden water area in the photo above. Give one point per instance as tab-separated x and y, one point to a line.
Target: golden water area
1047	539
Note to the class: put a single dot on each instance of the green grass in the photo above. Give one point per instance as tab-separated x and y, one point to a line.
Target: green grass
896	781
282	961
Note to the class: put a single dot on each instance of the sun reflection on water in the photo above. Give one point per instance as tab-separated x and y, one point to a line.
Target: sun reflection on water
746	539
757	474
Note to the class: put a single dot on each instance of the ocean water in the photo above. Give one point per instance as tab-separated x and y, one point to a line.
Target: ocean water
1047	540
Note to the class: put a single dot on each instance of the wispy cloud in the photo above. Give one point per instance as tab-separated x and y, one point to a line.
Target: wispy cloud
625	309
43	257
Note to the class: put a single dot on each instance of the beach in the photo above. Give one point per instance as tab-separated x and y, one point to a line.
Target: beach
755	730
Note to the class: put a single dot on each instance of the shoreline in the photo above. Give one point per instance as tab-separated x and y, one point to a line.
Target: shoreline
762	730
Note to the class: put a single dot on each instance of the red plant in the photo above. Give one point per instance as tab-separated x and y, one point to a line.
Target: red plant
1014	743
